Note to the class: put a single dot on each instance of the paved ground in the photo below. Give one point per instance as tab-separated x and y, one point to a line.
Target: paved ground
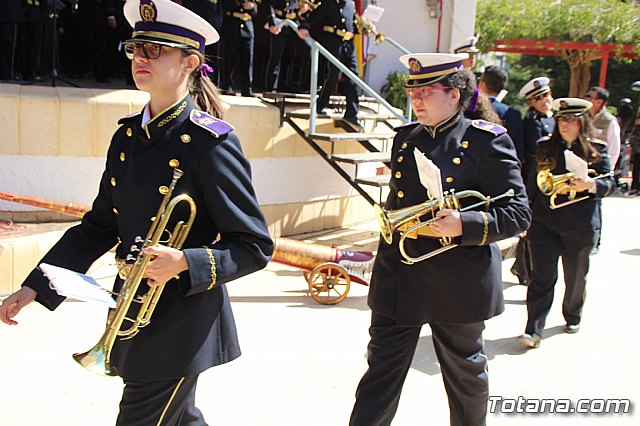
302	361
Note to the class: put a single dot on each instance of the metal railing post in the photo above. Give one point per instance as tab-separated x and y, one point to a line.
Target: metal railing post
313	92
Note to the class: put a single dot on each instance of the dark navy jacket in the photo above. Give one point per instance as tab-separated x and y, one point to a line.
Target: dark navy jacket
536	126
236	27
464	284
192	328
513	122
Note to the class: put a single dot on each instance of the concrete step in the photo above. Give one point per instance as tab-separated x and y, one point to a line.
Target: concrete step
350	136
365	157
379	181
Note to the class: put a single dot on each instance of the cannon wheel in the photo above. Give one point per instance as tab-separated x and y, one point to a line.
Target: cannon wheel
328	283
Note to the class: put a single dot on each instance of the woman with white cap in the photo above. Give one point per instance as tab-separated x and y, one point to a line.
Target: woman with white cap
571	230
192	327
455	291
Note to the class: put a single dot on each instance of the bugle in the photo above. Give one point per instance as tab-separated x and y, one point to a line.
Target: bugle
98	359
553	185
367	28
407	219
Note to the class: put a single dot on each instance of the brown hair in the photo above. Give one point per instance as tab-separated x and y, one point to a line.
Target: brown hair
548	152
204	93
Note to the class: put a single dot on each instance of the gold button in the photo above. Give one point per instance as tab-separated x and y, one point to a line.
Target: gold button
185	138
163	189
113	181
174	163
115	211
122	156
343	19
449	179
129	131
456	161
404	145
465	144
400	159
398	175
400	194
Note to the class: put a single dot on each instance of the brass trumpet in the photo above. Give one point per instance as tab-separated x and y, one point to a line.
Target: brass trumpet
407	220
98	358
367	28
553	185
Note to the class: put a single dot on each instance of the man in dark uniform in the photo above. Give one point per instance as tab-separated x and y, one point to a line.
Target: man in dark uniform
279	10
492	82
338	21
237	38
192	327
538	123
455	291
11	14
30	37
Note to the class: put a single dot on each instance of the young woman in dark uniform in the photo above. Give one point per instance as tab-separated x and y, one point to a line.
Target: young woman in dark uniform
569	231
192	327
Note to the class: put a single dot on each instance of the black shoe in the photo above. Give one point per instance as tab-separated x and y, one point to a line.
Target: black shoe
248	94
228	92
351	124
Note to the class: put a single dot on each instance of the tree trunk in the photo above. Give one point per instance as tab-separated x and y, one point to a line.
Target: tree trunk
580	73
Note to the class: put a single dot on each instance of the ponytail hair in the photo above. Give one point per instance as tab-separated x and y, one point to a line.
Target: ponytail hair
204	93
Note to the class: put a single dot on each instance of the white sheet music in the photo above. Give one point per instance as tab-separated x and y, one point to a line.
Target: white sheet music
576	164
372	13
76	285
429	175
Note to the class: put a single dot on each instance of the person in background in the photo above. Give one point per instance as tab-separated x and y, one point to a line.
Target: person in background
338	21
634	146
455	291
11	15
492	82
570	231
279	10
607	129
538	123
237	37
468	46
192	327
30	38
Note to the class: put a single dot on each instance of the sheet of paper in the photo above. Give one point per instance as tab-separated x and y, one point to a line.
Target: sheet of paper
576	164
373	13
429	175
76	285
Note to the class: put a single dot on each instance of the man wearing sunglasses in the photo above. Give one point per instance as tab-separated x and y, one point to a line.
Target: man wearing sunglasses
455	291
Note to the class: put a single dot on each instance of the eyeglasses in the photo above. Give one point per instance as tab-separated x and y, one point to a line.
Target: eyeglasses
424	91
568	118
148	49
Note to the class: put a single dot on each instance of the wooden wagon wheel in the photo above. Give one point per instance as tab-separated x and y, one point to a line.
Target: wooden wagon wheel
328	283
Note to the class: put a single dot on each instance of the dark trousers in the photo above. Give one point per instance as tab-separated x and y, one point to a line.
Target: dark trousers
459	348
547	247
635	174
30	42
160	403
8	39
522	265
278	44
346	54
244	47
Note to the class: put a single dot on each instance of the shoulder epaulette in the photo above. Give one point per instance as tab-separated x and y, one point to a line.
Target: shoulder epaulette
214	125
126	117
496	129
405	126
543	139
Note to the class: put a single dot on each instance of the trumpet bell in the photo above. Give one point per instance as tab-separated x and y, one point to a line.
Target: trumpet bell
96	360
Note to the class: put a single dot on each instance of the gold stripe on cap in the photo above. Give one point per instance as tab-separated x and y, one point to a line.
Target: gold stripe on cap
432	74
168	37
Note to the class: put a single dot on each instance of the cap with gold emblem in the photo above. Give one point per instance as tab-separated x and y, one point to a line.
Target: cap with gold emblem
467	46
428	68
535	87
571	106
166	21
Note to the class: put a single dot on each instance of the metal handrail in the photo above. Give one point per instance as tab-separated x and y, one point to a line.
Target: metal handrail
317	48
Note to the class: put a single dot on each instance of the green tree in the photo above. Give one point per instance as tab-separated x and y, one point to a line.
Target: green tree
592	21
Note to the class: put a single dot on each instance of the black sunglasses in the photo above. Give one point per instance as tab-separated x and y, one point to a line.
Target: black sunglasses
149	49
